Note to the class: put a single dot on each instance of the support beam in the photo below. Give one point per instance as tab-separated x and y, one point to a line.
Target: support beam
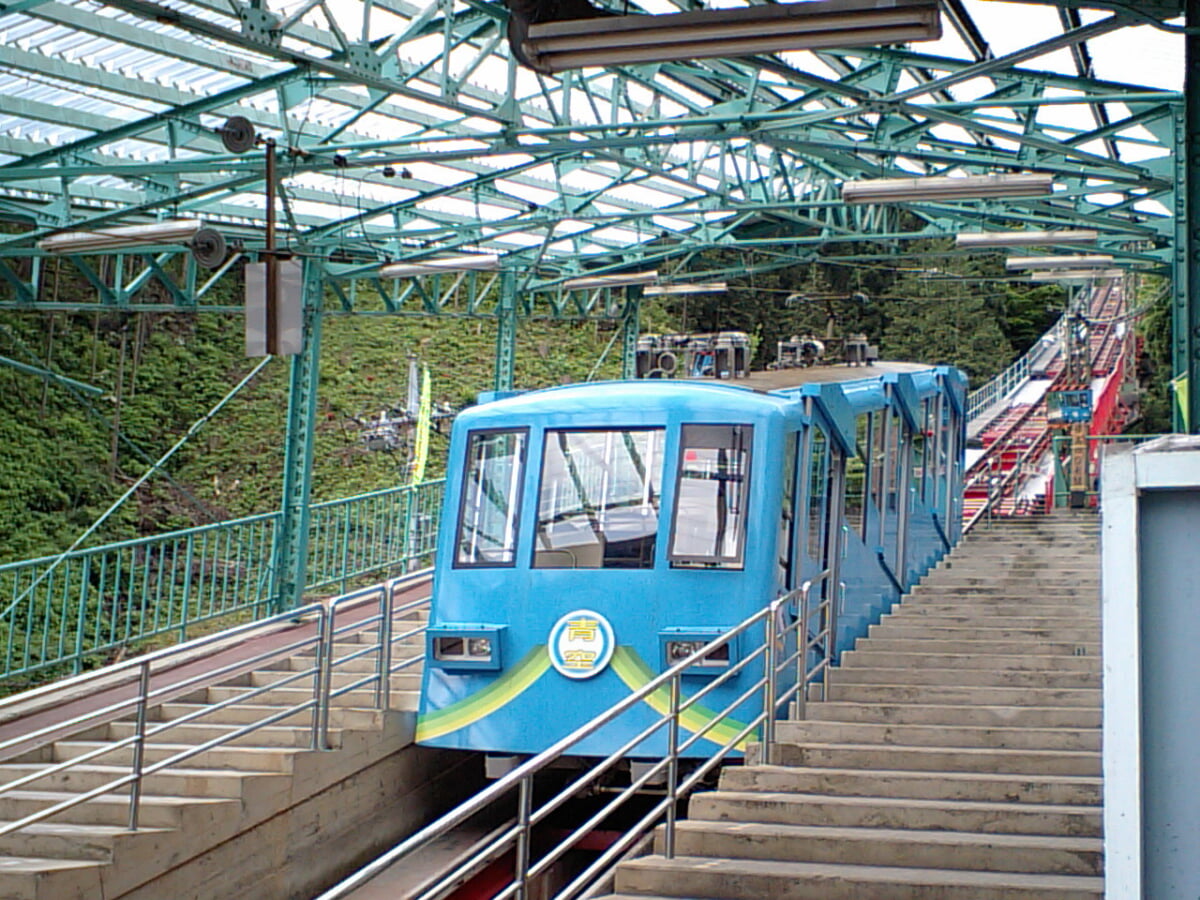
291	537
630	316
506	332
51	376
1186	319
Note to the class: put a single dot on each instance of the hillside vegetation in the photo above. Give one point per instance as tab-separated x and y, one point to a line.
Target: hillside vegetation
68	455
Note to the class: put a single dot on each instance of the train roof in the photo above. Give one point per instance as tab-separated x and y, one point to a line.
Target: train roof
780	379
762	392
622	395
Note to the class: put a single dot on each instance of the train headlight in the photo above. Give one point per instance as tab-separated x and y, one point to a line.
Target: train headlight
464	648
677	650
680	643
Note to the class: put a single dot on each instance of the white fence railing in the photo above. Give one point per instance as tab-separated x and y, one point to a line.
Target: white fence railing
1011	379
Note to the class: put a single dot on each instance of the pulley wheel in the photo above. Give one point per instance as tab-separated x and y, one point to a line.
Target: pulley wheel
208	248
237	134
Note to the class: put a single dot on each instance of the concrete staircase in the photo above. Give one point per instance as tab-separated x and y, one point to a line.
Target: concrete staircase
957	758
262	815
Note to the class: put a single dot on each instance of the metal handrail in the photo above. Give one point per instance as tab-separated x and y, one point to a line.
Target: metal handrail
793	673
147	696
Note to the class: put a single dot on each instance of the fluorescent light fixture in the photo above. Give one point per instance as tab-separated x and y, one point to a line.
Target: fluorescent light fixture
609	281
707	33
947	187
471	263
169	231
1058	262
662	290
1075	274
1026	238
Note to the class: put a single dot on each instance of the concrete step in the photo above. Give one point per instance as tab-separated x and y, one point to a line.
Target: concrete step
900	813
1005	558
987	584
406	680
690	876
63	841
1027	615
180	782
964	677
942	735
193	734
1042	563
950	714
258	759
891	847
293	696
894	627
992	598
983	560
938	759
245	714
368	662
32	877
993	595
156	811
1000	614
969	616
892	659
1073	790
882	692
969	646
966	622
1058	540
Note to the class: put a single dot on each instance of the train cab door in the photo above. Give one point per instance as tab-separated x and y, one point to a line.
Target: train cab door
788	577
821	538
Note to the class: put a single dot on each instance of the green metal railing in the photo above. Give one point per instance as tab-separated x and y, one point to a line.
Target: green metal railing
70	613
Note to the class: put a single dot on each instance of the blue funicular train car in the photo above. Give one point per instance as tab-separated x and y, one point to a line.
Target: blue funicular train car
595	534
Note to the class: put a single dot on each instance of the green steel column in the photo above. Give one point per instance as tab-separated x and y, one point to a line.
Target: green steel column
291	540
1180	342
506	332
1186	320
629	330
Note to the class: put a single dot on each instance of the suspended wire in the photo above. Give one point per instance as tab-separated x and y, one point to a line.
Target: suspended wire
196	426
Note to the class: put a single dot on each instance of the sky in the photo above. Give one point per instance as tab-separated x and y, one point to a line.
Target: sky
1141	55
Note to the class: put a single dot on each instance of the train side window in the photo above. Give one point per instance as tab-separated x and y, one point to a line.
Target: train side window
787	535
709	528
598	500
858	477
894	471
818	490
487	521
920	453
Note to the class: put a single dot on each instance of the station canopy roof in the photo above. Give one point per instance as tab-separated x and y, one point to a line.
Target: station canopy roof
406	130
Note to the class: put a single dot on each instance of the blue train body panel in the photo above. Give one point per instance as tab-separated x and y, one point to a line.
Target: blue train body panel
592	534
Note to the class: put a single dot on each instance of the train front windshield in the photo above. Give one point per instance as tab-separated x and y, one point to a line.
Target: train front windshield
598	499
710	504
487	525
599	496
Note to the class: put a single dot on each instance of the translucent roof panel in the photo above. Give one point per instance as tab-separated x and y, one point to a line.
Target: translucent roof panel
394	117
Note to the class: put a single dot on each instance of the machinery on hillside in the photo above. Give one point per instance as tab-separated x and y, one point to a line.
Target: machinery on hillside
721	355
802	351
